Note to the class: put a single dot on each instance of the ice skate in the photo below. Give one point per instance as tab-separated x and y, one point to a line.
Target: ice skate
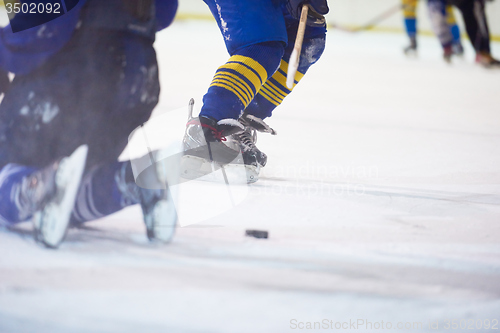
447	54
212	154
52	192
458	50
411	50
151	190
158	206
247	139
205	138
486	60
159	213
209	155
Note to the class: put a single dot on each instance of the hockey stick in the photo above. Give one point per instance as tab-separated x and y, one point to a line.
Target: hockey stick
293	63
372	23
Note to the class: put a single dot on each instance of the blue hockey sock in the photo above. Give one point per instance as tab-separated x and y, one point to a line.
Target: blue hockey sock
275	90
10	179
411	27
272	93
236	83
105	190
455	31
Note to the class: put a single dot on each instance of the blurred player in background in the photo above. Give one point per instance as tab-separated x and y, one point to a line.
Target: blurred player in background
476	24
83	82
259	36
411	25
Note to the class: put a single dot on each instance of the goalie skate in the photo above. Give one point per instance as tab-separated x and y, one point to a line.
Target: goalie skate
158	206
52	220
160	215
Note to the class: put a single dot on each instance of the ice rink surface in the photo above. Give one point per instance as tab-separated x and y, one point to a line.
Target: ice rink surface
381	197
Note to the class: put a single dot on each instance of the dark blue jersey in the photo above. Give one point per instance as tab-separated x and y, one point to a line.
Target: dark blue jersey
23	51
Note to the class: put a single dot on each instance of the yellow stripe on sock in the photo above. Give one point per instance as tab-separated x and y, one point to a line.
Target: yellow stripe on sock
221	84
284	68
281	79
241	93
252	64
246	72
234	74
269	94
273	93
279	91
237	81
268	98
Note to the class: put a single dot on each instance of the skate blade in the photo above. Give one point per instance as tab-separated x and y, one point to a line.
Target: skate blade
196	168
51	224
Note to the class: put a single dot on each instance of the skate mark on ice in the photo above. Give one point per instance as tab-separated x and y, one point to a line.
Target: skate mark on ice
394	191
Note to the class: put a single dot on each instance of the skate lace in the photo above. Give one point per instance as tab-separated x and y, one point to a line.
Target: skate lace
246	139
217	134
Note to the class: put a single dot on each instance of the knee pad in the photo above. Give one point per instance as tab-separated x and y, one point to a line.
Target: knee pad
312	49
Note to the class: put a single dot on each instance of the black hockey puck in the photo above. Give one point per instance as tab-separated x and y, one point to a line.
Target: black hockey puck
257	233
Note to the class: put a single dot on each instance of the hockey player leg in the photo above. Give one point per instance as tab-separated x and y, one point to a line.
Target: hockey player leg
52	220
158	194
476	24
233	88
109	188
437	13
275	90
255	35
32	124
457	47
410	20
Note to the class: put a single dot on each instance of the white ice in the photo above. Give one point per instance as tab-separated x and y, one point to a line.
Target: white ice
381	197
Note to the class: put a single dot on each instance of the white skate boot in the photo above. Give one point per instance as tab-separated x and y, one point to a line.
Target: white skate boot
53	191
152	191
158	206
